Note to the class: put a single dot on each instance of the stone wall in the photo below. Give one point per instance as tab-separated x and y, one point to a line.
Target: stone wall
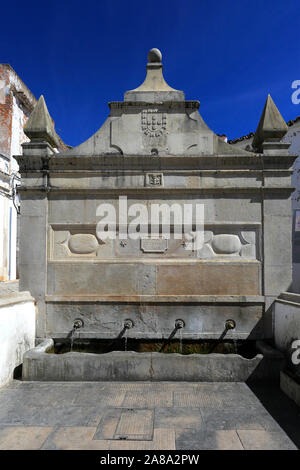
286	320
292	136
154	148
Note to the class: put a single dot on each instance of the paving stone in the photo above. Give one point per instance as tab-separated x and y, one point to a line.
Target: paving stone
142	386
236	400
46	416
53	396
205	414
148	399
108	424
74	438
193	398
183	418
23	438
81	438
265	440
163	439
192	439
231	418
222	387
100	397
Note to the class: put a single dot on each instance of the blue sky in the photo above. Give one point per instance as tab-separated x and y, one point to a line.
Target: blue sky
227	54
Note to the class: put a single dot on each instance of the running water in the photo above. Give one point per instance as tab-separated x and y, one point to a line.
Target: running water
178	325
128	324
78	323
180	341
125	339
72	339
229	325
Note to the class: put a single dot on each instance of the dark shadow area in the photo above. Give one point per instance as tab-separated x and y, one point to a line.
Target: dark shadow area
244	348
17	375
281	408
268	370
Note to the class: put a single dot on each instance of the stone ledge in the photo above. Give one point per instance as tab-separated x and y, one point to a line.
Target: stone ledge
15	298
160	189
6	287
221	299
289	298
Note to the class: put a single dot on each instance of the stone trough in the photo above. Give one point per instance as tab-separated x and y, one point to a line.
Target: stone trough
39	364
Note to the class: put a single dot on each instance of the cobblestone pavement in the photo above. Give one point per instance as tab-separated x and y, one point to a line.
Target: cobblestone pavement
146	416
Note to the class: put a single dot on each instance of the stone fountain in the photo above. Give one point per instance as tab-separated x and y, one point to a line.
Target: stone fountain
154	147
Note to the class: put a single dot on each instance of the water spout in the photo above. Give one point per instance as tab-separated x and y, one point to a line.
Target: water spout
178	325
128	324
229	325
78	323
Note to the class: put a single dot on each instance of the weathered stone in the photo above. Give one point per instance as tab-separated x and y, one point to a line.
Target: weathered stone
121	365
264	440
271	125
154	148
40	125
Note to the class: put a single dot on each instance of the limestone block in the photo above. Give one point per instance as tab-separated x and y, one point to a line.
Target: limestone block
154	320
278	278
213	279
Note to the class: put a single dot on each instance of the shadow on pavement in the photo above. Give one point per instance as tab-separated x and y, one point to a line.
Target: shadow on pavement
280	407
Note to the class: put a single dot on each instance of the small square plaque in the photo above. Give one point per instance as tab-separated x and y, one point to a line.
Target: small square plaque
154	245
154	179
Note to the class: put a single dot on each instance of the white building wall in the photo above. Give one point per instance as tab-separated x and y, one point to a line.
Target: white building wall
17	331
4	235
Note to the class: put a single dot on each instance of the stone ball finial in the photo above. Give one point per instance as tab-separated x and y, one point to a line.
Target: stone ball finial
154	55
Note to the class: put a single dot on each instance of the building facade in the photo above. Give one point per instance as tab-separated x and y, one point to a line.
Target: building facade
16	104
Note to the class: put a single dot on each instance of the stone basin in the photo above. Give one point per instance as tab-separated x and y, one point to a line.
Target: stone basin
39	365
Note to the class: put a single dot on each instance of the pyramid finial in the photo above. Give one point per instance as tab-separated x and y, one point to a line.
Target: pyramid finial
271	125
39	125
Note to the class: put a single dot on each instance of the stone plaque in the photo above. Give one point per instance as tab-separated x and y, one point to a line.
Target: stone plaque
154	179
154	245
